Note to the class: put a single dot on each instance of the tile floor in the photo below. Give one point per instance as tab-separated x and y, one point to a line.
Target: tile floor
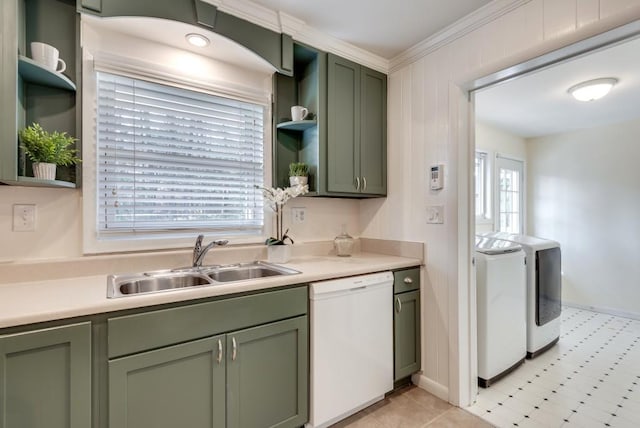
412	407
591	378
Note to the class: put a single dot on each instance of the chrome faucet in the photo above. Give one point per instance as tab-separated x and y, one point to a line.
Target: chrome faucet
199	252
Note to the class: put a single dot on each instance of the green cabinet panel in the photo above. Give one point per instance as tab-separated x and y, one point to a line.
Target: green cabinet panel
140	332
182	385
45	378
267	375
406	329
343	141
357	129
406	280
373	138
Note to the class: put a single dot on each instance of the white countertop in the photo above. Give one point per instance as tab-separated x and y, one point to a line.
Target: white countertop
31	302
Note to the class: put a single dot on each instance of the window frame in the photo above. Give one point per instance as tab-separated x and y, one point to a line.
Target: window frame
93	241
522	191
485	217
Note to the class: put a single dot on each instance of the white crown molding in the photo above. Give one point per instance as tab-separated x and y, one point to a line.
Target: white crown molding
283	23
251	12
463	26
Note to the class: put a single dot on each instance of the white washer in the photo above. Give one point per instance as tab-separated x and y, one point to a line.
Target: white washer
544	289
501	302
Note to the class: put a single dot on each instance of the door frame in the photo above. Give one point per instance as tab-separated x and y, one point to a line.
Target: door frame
463	367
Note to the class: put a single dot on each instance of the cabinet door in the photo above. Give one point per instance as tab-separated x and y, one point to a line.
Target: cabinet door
45	378
373	132
177	386
267	375
406	329
343	125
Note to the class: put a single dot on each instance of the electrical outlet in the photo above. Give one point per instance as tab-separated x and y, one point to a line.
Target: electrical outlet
24	218
435	214
298	214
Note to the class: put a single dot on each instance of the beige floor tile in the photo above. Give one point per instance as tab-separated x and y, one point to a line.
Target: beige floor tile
457	418
411	407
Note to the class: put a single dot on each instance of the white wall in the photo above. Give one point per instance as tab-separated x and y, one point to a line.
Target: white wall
584	192
496	141
428	112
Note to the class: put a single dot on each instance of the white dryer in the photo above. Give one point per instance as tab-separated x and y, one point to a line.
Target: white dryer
501	285
544	289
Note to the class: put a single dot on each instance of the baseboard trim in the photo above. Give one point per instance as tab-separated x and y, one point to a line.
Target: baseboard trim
604	310
440	391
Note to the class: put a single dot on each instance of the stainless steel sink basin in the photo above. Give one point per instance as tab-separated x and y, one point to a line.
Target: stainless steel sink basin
245	271
159	281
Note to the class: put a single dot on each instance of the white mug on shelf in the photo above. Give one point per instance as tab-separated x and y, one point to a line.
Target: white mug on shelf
47	56
298	113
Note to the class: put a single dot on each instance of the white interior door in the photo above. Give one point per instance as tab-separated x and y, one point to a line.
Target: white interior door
509	181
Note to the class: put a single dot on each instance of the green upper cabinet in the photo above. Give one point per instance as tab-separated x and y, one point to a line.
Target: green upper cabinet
31	93
357	117
345	143
45	378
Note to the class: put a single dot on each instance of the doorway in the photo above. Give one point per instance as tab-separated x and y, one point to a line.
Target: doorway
517	218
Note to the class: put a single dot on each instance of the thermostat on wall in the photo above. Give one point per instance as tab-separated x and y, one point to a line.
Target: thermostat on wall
437	177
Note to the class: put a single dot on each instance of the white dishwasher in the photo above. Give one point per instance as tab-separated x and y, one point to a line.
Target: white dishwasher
351	345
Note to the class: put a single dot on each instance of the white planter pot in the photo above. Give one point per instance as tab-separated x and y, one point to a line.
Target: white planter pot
44	171
298	181
278	253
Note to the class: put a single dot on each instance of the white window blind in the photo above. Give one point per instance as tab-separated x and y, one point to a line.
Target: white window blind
171	158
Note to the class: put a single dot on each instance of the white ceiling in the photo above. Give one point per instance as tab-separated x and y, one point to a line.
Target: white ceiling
383	27
538	104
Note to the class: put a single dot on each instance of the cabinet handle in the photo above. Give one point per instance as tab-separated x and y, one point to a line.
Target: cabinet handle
408	280
364	183
357	183
398	305
234	349
219	359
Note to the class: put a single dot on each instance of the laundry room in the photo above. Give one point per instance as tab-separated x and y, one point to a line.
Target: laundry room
560	167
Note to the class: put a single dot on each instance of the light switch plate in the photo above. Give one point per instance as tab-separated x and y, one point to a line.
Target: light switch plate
298	214
24	218
435	214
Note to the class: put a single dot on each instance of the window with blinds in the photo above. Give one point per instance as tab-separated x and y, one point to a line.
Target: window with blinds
170	158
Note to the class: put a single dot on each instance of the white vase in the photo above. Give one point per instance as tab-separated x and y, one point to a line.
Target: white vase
278	253
298	180
44	171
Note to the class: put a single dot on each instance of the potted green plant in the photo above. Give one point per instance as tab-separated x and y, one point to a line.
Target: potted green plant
47	149
298	174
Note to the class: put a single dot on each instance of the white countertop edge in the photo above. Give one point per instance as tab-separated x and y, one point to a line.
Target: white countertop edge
34	302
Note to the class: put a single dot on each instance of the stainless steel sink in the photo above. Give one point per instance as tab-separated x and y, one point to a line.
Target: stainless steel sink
245	271
159	281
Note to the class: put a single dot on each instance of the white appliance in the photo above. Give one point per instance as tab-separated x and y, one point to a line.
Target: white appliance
351	345
544	289
501	285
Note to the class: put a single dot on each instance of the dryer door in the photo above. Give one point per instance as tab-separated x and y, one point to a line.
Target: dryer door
548	285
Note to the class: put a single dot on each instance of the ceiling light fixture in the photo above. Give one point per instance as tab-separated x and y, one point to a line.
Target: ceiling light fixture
593	89
197	40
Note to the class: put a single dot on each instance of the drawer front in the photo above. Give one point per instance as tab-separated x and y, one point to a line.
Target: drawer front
406	280
140	332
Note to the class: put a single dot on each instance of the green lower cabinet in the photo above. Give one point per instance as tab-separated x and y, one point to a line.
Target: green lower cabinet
255	377
45	378
406	329
181	385
267	375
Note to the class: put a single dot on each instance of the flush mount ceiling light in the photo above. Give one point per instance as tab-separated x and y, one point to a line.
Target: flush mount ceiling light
593	89
197	40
